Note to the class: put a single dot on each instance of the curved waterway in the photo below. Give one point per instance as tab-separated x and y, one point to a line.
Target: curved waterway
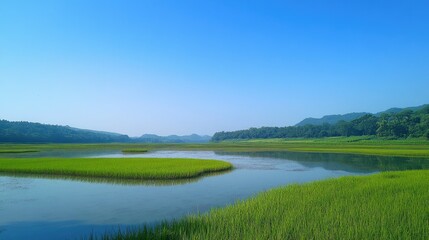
44	207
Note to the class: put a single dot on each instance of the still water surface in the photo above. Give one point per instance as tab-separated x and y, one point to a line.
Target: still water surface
41	207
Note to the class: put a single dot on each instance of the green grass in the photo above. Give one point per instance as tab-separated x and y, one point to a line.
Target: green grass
134	150
125	168
390	205
368	145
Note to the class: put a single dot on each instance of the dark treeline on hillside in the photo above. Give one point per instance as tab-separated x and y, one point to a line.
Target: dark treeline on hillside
404	124
27	132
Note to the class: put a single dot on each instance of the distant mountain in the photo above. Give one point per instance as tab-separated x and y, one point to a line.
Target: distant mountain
152	138
333	119
28	132
397	110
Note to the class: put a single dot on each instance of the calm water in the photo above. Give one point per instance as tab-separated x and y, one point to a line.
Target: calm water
35	207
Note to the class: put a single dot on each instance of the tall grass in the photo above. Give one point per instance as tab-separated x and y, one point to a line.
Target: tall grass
390	205
129	168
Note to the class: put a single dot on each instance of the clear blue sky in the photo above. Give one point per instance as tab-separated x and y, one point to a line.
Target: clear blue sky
181	67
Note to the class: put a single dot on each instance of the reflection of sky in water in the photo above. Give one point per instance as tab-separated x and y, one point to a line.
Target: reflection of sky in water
240	162
63	208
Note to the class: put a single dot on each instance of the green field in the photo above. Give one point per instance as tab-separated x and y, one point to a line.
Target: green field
390	205
368	145
124	168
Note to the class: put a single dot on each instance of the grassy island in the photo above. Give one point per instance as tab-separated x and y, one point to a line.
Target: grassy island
126	168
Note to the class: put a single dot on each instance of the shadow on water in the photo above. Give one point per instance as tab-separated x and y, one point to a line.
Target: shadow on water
119	181
337	161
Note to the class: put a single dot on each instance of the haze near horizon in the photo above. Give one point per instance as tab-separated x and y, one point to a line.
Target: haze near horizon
185	67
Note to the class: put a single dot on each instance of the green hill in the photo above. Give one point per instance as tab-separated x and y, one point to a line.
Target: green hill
28	132
333	119
393	123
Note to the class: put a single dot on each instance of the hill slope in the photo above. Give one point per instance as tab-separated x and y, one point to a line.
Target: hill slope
27	132
333	119
392	124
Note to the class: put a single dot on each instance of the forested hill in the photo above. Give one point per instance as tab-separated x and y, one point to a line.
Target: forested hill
333	119
27	132
393	124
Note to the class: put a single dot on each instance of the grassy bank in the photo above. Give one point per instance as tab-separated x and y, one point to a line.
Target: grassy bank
126	168
368	145
391	205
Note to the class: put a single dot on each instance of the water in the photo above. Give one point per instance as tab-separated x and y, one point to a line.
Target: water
43	207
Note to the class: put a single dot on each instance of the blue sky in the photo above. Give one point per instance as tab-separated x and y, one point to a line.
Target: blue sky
181	67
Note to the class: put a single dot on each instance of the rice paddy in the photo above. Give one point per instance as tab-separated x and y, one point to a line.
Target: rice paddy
123	168
390	205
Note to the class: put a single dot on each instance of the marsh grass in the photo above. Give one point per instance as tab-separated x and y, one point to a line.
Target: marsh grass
390	205
368	145
121	168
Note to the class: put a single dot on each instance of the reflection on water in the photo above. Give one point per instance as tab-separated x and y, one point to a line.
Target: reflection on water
47	207
120	181
105	180
348	162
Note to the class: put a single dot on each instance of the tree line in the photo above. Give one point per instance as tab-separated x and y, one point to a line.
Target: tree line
27	132
404	124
